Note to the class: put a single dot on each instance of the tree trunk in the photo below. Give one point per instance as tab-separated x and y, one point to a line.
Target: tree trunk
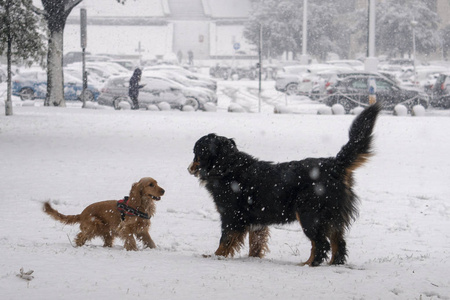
55	76
8	102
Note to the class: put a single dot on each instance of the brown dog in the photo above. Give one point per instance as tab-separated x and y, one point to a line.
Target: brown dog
125	218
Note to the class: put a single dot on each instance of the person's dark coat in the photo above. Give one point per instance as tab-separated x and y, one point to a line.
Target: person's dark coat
133	90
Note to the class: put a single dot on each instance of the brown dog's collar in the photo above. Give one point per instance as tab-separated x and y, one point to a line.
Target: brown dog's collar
124	210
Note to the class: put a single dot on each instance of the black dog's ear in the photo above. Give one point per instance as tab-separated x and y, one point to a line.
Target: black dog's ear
233	143
225	146
212	152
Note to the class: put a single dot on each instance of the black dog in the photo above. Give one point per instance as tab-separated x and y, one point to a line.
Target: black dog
251	194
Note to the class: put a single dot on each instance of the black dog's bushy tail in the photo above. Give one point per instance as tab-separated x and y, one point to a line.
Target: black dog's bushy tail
359	147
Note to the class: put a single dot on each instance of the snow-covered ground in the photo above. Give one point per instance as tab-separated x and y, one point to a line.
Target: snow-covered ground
399	247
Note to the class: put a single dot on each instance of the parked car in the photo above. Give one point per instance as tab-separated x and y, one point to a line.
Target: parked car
301	79
424	77
224	71
155	91
321	83
32	84
353	91
3	74
325	79
93	79
288	78
441	91
198	95
349	63
219	71
101	70
129	64
212	84
185	80
73	57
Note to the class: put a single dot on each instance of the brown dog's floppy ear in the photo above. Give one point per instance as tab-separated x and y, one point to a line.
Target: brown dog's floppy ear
135	195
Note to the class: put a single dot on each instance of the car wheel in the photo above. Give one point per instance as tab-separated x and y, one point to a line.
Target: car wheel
116	102
225	75
291	89
88	96
192	102
346	104
26	94
423	102
330	100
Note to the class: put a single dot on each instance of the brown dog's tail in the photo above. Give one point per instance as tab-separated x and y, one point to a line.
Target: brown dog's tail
359	147
60	217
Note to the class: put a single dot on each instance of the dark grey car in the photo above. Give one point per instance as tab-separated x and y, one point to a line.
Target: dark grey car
353	91
441	91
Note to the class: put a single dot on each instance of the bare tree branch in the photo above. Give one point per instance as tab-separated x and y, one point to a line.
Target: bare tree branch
38	11
70	4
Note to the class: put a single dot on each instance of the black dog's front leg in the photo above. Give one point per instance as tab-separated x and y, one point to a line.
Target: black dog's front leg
230	243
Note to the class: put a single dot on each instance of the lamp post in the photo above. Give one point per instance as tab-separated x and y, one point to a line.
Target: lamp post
260	65
371	61
413	25
83	31
304	57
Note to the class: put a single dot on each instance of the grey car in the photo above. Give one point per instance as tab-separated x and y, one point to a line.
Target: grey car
155	91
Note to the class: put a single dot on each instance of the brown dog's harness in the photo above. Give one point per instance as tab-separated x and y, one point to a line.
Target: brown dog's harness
126	210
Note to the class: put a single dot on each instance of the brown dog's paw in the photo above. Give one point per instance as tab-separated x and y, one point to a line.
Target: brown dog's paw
129	246
213	256
150	246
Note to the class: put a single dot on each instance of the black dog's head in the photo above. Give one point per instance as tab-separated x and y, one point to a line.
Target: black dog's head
210	154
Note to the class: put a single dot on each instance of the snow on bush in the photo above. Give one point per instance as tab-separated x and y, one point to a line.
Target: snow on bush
210	107
282	109
295	98
418	111
188	108
93	105
28	103
164	106
326	110
400	110
124	105
357	110
152	107
234	107
338	109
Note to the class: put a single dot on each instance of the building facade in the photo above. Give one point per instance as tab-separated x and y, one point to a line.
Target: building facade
210	29
160	28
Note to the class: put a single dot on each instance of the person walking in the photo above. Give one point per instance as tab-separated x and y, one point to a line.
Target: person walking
191	57
133	90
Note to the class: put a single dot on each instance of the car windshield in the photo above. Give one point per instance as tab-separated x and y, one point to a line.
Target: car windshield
359	84
158	83
118	82
383	85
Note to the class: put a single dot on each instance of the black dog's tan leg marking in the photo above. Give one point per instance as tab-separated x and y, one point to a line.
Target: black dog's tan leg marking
230	243
313	246
312	256
338	248
258	240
